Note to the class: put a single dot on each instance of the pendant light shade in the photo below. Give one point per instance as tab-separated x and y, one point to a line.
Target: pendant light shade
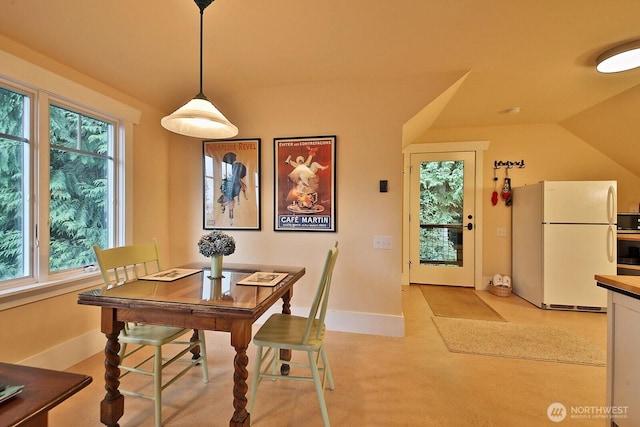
199	118
620	58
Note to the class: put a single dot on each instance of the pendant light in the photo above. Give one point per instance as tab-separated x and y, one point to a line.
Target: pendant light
199	118
620	58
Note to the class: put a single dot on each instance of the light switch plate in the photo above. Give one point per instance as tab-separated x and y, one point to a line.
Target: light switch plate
382	242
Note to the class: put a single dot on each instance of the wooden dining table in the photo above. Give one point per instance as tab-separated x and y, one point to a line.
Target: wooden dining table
197	302
44	389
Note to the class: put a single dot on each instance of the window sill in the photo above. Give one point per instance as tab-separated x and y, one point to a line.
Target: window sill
34	292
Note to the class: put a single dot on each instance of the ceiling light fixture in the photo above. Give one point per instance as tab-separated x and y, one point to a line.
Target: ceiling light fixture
620	58
199	118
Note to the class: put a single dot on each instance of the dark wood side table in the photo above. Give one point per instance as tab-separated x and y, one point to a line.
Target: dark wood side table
43	390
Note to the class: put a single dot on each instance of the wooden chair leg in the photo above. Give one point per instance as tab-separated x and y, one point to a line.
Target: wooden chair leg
327	369
157	386
123	350
203	356
256	378
276	360
319	388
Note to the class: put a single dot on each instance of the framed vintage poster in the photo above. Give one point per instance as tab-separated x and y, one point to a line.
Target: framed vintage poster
231	170
305	183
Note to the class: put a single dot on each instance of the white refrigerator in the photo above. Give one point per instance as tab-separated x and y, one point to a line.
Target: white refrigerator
564	233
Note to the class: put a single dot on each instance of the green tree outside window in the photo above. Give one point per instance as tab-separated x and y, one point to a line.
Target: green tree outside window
441	203
78	182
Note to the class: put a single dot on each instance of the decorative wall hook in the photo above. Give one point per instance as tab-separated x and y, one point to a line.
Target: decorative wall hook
497	164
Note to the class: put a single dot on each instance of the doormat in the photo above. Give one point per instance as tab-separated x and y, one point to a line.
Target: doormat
453	301
518	341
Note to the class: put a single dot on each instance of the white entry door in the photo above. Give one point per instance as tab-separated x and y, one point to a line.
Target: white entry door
442	224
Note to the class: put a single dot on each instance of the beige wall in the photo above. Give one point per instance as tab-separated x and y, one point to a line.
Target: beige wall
33	328
151	184
367	117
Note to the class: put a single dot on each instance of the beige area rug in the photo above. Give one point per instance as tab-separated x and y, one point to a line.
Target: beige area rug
518	340
453	301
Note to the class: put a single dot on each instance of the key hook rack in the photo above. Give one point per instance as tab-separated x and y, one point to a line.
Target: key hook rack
497	164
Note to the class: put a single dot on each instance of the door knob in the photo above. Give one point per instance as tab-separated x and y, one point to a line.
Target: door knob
470	226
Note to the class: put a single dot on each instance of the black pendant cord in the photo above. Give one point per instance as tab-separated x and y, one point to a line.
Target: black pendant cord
201	94
202	5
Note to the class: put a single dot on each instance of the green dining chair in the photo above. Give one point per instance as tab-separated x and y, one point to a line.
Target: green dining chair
126	263
297	333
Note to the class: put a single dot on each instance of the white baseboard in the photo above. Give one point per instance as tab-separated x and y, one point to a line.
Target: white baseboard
365	323
66	354
352	321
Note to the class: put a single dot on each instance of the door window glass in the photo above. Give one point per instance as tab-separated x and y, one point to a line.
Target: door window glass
441	213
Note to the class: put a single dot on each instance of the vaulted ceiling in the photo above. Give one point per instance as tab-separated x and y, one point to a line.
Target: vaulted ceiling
538	56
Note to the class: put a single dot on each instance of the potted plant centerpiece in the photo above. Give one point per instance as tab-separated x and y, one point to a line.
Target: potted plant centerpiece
215	245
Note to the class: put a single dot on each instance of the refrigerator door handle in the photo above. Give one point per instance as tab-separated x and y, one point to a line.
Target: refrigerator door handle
611	205
611	243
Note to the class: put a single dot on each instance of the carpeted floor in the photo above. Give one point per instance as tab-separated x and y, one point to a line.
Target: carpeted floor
450	301
518	340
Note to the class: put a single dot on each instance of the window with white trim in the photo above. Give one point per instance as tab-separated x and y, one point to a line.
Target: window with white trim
60	185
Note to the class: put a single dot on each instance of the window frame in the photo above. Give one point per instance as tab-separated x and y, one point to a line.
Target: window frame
45	87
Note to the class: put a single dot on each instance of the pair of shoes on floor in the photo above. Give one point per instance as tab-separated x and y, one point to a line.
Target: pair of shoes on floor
501	281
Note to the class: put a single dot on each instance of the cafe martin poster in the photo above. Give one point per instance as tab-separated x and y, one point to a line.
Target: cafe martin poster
305	185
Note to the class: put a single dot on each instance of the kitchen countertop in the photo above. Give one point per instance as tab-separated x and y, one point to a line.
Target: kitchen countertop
627	285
